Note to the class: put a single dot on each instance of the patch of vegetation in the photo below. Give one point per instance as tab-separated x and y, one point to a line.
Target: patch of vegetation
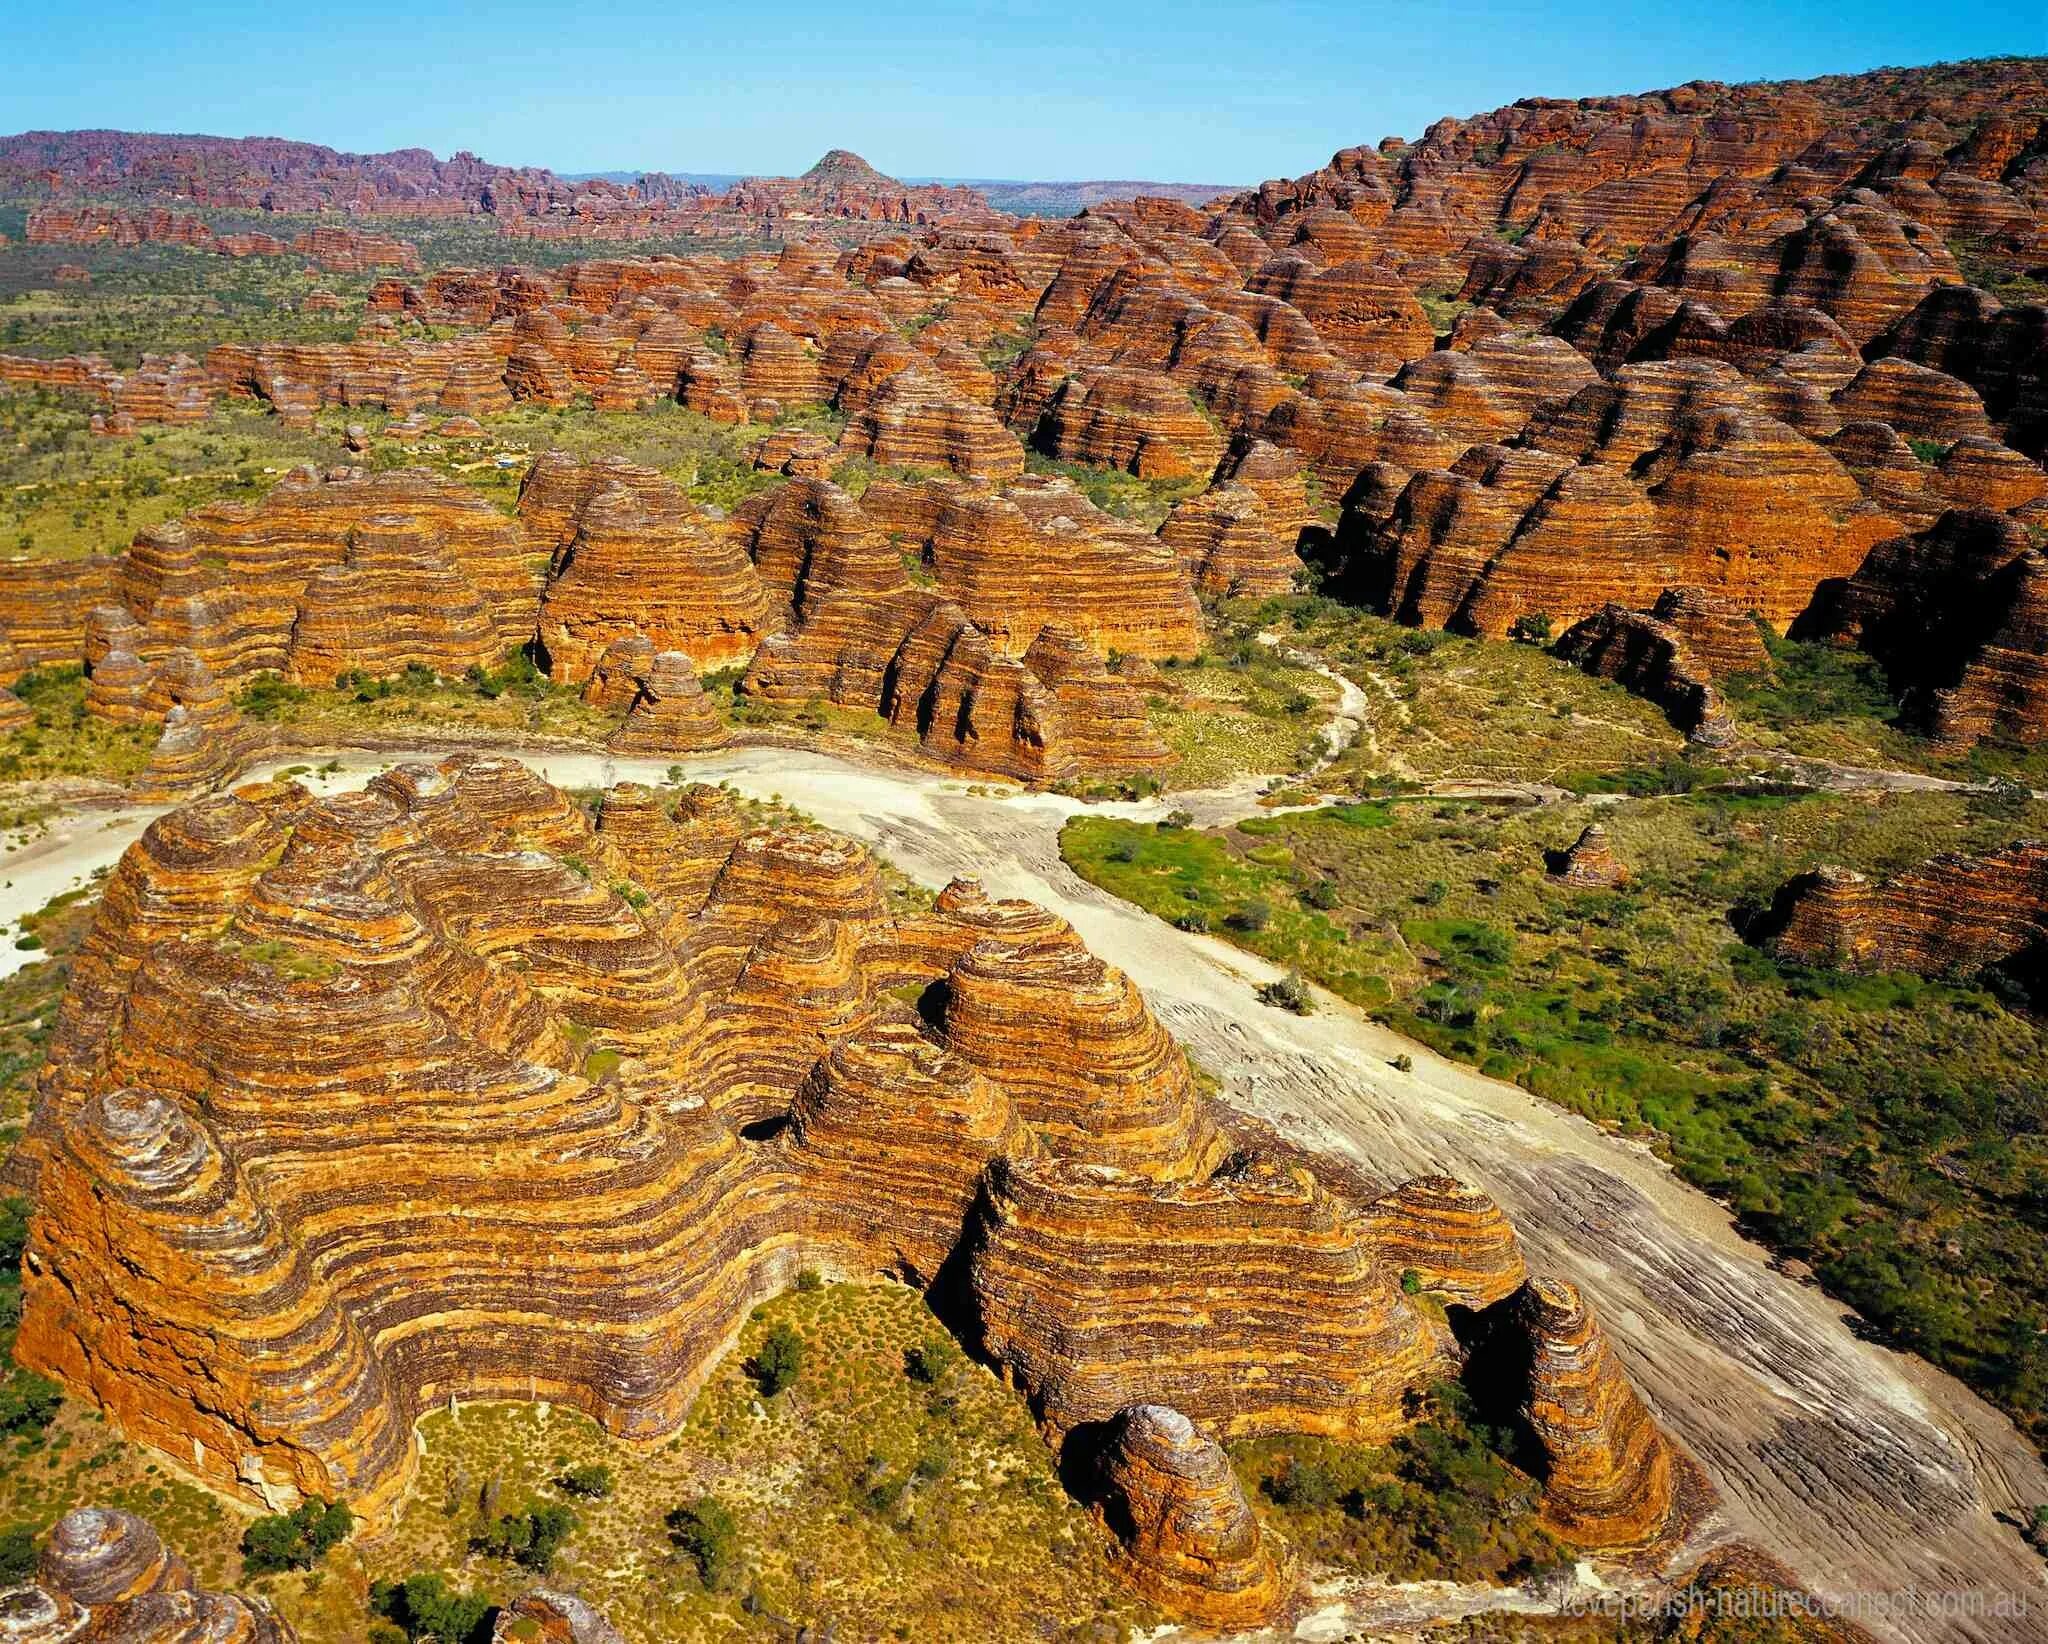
1143	502
1443	1502
1891	1131
426	1607
514	698
779	1361
1241	707
975	1523
64	740
296	1540
17	1555
706	1533
1441	707
530	1538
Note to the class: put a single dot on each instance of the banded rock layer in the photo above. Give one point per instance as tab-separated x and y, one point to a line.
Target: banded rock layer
267	1249
106	1576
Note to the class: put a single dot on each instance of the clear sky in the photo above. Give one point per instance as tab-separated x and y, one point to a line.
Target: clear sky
1190	91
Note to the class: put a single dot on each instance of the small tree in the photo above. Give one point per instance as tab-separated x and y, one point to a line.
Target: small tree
1533	628
593	1480
927	1363
296	1540
17	1555
530	1539
426	1608
705	1532
776	1366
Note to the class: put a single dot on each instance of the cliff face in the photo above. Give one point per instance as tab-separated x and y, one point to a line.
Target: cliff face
266	1249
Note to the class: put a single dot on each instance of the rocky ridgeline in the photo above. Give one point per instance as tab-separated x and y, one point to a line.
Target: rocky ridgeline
337	250
974	621
267	1250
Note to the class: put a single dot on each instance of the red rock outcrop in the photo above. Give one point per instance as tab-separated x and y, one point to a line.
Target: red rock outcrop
230	1256
1672	655
1454	1238
1117	417
1610	1477
668	714
629	553
1667	476
1227	540
1953	913
1589	863
339	250
106	1576
1188	1537
43	605
1958	614
326	576
916	419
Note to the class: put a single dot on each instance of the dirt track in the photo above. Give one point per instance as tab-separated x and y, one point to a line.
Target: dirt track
1864	1469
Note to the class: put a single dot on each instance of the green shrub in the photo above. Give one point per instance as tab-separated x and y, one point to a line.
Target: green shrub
1302	1484
28	1402
927	1363
1251	917
530	1539
1288	992
17	1555
296	1540
705	1532
592	1479
780	1359
427	1610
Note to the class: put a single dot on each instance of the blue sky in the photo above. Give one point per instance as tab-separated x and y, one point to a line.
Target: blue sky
1191	91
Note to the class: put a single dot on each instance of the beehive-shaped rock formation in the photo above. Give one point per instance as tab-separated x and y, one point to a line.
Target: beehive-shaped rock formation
106	1576
1590	863
668	714
1455	1239
632	555
359	572
1951	913
230	1255
1187	1534
1608	1471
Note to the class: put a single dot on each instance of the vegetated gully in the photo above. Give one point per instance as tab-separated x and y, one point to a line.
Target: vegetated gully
1864	1469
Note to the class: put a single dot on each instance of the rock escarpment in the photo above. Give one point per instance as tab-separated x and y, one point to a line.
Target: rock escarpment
267	1249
